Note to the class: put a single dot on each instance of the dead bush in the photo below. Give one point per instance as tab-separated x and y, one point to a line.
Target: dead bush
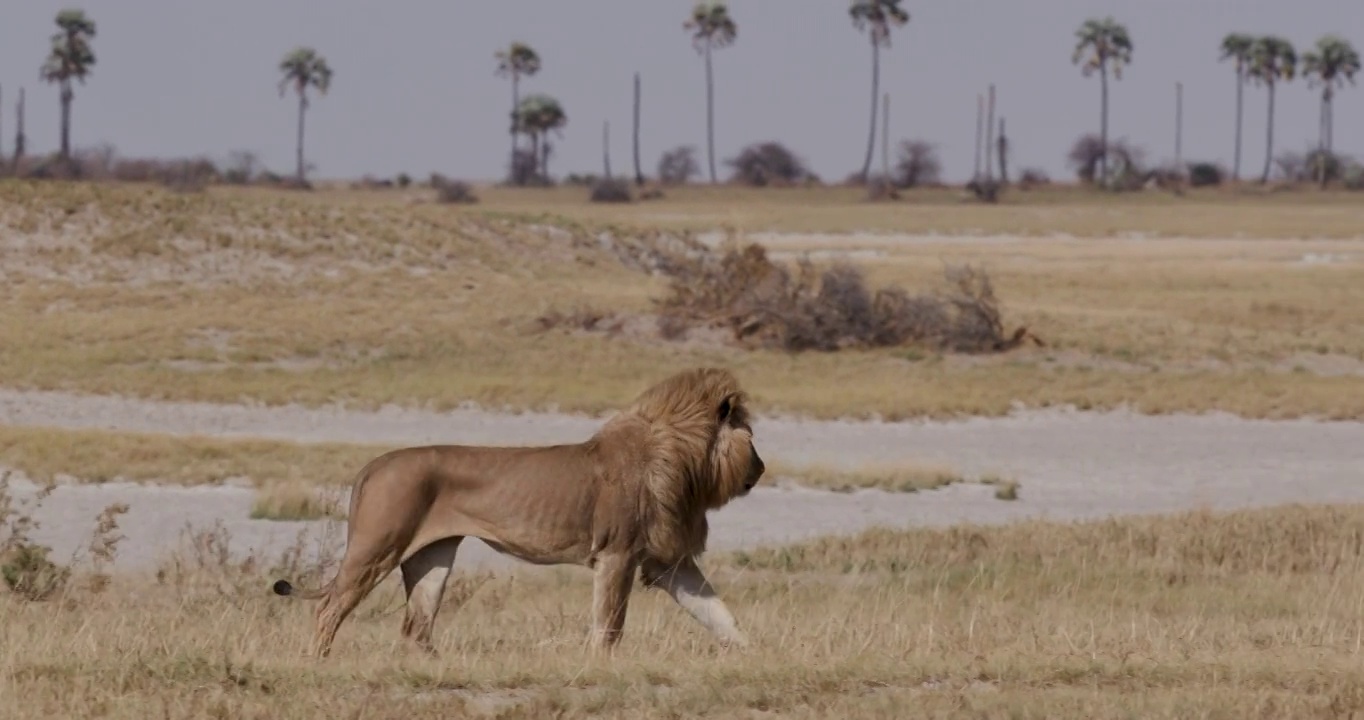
24	565
1032	177
1124	161
767	305
917	164
611	190
678	165
582	318
452	191
205	565
768	163
189	175
26	568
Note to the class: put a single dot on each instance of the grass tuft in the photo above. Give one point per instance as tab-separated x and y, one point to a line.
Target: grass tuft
295	500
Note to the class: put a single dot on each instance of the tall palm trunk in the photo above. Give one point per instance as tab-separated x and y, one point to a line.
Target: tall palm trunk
1103	124
516	104
535	153
1269	136
875	82
1325	143
710	114
1330	124
1240	87
302	107
67	96
639	174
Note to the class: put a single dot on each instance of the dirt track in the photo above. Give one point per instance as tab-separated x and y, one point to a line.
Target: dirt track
1071	465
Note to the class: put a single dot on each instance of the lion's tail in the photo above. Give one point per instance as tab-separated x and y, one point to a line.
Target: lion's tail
284	588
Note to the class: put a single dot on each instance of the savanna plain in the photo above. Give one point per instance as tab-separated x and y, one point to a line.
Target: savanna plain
160	351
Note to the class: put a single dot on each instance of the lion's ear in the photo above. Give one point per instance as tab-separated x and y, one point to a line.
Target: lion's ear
726	408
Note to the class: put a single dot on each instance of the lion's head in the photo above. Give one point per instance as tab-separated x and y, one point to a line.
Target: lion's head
700	450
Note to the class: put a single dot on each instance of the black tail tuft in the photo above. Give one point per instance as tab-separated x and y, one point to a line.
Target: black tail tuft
282	587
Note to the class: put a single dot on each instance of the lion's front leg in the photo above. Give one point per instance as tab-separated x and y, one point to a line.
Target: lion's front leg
688	587
610	597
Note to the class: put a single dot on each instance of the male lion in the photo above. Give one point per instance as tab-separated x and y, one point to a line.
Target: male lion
633	496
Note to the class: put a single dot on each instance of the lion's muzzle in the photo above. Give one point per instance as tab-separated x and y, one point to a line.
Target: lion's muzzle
756	470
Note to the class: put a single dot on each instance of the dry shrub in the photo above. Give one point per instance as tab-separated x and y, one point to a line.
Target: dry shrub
25	567
768	163
917	164
189	175
582	318
1124	162
206	566
452	191
1032	177
678	165
765	304
1206	174
611	190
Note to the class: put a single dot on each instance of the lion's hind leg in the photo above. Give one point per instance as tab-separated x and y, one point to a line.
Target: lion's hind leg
361	570
424	577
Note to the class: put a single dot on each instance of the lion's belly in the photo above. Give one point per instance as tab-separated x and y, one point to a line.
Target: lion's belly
526	520
539	555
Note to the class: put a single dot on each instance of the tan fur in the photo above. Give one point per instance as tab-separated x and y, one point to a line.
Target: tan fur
633	497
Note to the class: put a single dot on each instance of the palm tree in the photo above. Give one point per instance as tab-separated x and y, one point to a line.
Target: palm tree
711	28
1236	46
1333	62
536	116
304	67
1272	58
70	58
1103	44
519	59
876	16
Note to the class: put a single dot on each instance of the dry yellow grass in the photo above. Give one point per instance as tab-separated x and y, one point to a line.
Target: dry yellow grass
1252	614
358	297
296	501
892	478
95	456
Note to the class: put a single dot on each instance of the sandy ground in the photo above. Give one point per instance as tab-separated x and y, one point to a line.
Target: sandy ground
1072	465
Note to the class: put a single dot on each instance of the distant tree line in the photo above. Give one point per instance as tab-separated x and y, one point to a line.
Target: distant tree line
1103	47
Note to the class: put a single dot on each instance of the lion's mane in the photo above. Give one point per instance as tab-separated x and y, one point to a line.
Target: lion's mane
695	456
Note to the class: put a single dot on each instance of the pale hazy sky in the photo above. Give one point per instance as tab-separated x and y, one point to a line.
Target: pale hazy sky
414	88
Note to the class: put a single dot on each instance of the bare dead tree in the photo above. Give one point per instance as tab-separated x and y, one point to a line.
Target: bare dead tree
990	130
885	138
19	139
639	174
1179	129
606	148
1002	145
980	118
